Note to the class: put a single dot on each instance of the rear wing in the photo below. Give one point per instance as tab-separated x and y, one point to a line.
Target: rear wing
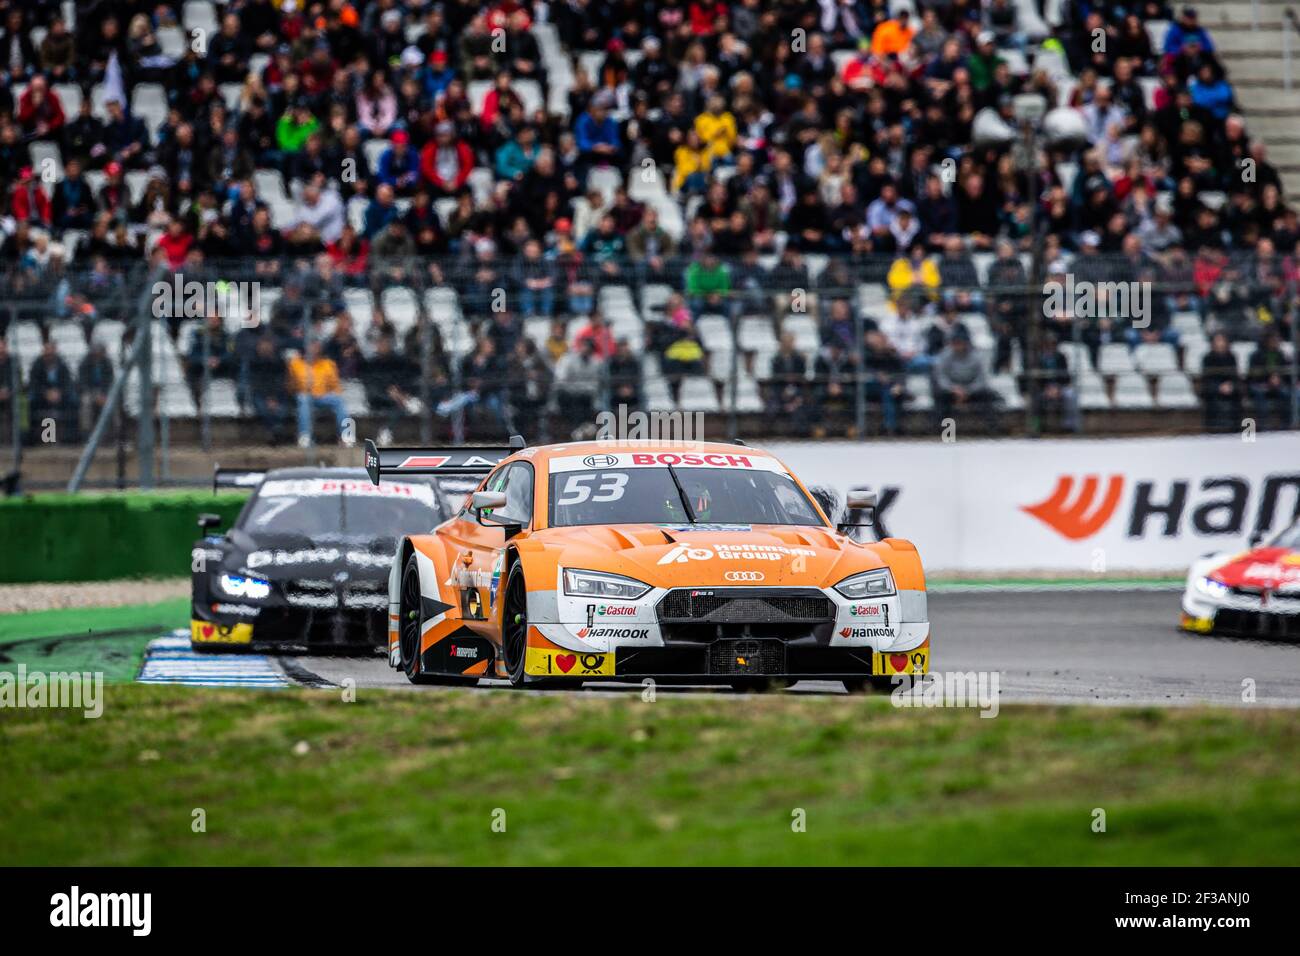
464	460
236	478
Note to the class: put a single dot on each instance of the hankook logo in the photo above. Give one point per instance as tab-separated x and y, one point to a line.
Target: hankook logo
1217	505
744	576
600	461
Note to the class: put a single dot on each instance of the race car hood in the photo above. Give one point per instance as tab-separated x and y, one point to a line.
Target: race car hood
670	556
1267	569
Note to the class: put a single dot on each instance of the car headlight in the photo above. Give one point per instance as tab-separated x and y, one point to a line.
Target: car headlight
602	585
237	585
868	584
1215	589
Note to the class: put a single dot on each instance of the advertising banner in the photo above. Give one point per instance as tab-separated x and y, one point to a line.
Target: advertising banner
1092	507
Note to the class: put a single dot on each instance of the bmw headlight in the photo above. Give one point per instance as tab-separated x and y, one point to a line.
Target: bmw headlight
602	585
868	584
1211	587
237	585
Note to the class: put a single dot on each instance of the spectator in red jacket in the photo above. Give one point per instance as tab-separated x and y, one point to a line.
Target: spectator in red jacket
175	243
39	111
27	200
446	161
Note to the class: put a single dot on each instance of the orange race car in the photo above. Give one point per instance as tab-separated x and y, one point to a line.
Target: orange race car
694	563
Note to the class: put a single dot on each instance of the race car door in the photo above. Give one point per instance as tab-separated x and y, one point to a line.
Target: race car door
481	556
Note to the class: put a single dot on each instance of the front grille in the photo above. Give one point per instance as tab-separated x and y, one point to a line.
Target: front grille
1255	624
747	656
744	606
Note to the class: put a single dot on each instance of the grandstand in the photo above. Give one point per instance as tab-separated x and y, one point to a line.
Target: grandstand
798	219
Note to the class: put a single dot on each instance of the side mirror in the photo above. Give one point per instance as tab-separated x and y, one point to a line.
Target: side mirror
860	511
209	521
490	501
860	499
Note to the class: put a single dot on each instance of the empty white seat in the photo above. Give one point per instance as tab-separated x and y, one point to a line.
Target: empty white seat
1092	392
1242	351
658	397
219	400
1155	357
715	333
476	92
149	105
606	179
807	337
1132	391
230	93
172	40
1174	390
354	398
374	149
47	163
1005	386
756	333
269	185
199	15
1186	323
401	308
481	182
1076	355
698	394
1114	358
530	93
69	95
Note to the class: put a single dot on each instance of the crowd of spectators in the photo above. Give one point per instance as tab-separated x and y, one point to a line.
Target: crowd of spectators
776	134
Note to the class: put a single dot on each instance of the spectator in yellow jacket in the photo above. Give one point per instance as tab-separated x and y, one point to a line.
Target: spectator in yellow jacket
315	381
691	164
913	273
717	128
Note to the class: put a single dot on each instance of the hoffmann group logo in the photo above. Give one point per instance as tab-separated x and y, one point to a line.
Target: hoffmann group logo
1079	508
1081	514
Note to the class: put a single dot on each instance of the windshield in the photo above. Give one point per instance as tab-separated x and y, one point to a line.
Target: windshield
332	506
651	496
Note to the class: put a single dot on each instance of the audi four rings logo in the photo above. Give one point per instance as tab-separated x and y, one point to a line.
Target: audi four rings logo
600	461
744	576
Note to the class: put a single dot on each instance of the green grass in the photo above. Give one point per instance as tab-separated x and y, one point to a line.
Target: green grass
110	641
164	615
409	778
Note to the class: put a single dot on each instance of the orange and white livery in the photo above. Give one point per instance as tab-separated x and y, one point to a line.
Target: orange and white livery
603	560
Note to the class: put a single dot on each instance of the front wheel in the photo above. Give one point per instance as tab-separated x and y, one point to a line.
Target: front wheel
409	634
514	625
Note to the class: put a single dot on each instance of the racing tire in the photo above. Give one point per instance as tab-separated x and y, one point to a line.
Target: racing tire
514	625
408	634
877	685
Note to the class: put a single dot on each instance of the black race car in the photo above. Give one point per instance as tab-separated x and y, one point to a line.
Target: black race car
306	563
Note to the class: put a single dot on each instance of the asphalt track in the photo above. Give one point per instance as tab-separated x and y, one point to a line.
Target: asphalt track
1086	646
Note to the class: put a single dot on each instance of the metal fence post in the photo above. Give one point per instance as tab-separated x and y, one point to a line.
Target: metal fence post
145	442
15	389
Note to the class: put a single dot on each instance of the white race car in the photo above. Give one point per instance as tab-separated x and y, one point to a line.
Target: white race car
1253	593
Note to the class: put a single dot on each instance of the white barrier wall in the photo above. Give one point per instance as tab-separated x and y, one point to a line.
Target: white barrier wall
1087	506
